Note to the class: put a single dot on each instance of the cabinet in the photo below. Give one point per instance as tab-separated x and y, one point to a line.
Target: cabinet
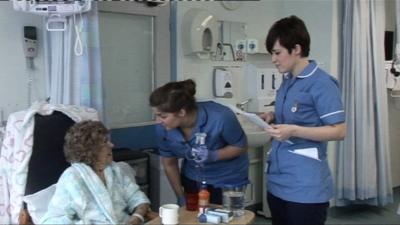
265	209
161	191
254	191
139	161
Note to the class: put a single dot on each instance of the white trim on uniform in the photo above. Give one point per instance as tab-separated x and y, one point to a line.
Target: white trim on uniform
311	73
332	113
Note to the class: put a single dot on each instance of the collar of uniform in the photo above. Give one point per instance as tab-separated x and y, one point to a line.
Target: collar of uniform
175	135
309	70
201	119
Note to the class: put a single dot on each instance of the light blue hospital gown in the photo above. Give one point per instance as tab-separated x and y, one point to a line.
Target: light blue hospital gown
82	198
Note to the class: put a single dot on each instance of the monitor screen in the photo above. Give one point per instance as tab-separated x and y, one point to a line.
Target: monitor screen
389	45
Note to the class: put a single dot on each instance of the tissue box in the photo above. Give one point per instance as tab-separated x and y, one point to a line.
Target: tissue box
226	215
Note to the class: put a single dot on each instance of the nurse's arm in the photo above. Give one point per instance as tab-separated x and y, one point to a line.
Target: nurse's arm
324	133
230	151
172	171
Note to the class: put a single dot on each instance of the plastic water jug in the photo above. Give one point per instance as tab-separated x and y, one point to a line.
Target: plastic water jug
234	198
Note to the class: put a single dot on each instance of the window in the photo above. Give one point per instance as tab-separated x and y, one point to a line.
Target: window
134	41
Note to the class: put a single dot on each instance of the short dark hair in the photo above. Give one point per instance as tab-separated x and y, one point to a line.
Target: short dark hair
83	140
290	31
175	96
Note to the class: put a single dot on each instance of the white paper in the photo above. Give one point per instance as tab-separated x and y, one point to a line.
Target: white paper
250	116
253	118
307	152
256	120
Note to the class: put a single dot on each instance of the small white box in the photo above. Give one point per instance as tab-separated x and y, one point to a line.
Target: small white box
225	215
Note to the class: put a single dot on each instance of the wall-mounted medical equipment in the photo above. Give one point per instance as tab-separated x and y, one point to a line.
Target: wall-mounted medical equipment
50	7
199	33
30	42
393	74
262	84
222	84
30	48
395	68
56	10
249	46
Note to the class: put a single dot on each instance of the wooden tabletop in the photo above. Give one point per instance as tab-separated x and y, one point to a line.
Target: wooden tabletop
190	217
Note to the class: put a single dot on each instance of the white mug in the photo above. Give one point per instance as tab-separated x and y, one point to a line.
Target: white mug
169	214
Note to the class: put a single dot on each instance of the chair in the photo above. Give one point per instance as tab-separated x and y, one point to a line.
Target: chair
49	133
48	150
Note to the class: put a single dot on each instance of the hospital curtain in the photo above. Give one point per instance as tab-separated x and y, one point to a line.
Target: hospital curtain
398	47
73	78
363	160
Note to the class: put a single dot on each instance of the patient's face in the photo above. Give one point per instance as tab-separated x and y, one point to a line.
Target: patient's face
105	155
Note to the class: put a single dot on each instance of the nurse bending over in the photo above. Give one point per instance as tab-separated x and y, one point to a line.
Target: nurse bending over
180	119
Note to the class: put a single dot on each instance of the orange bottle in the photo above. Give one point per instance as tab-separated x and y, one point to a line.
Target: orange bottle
204	198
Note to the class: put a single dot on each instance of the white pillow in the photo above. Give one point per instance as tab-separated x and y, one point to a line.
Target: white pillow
38	202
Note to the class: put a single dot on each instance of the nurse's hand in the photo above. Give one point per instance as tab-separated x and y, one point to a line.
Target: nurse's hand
181	201
280	132
267	116
207	156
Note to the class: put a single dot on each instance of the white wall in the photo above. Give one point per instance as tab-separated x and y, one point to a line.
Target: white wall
317	15
13	74
258	16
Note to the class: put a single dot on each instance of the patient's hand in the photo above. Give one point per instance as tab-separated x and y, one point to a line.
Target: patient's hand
140	212
135	220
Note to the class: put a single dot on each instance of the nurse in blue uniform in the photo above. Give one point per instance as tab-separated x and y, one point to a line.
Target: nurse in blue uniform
180	117
308	113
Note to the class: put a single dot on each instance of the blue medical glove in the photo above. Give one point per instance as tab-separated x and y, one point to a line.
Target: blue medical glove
181	201
206	156
200	154
190	153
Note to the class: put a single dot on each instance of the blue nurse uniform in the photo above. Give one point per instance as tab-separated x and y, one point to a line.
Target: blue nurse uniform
222	129
299	172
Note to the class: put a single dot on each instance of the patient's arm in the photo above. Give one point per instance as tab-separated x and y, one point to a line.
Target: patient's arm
24	217
145	211
142	209
140	213
137	200
60	209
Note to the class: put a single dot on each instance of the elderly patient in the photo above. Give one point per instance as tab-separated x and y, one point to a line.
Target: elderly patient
94	189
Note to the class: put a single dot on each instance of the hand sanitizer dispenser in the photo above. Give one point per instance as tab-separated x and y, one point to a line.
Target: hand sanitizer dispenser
223	83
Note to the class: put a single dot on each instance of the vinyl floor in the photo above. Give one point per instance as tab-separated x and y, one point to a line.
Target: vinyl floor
358	214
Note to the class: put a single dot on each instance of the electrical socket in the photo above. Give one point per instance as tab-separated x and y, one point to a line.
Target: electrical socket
252	46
